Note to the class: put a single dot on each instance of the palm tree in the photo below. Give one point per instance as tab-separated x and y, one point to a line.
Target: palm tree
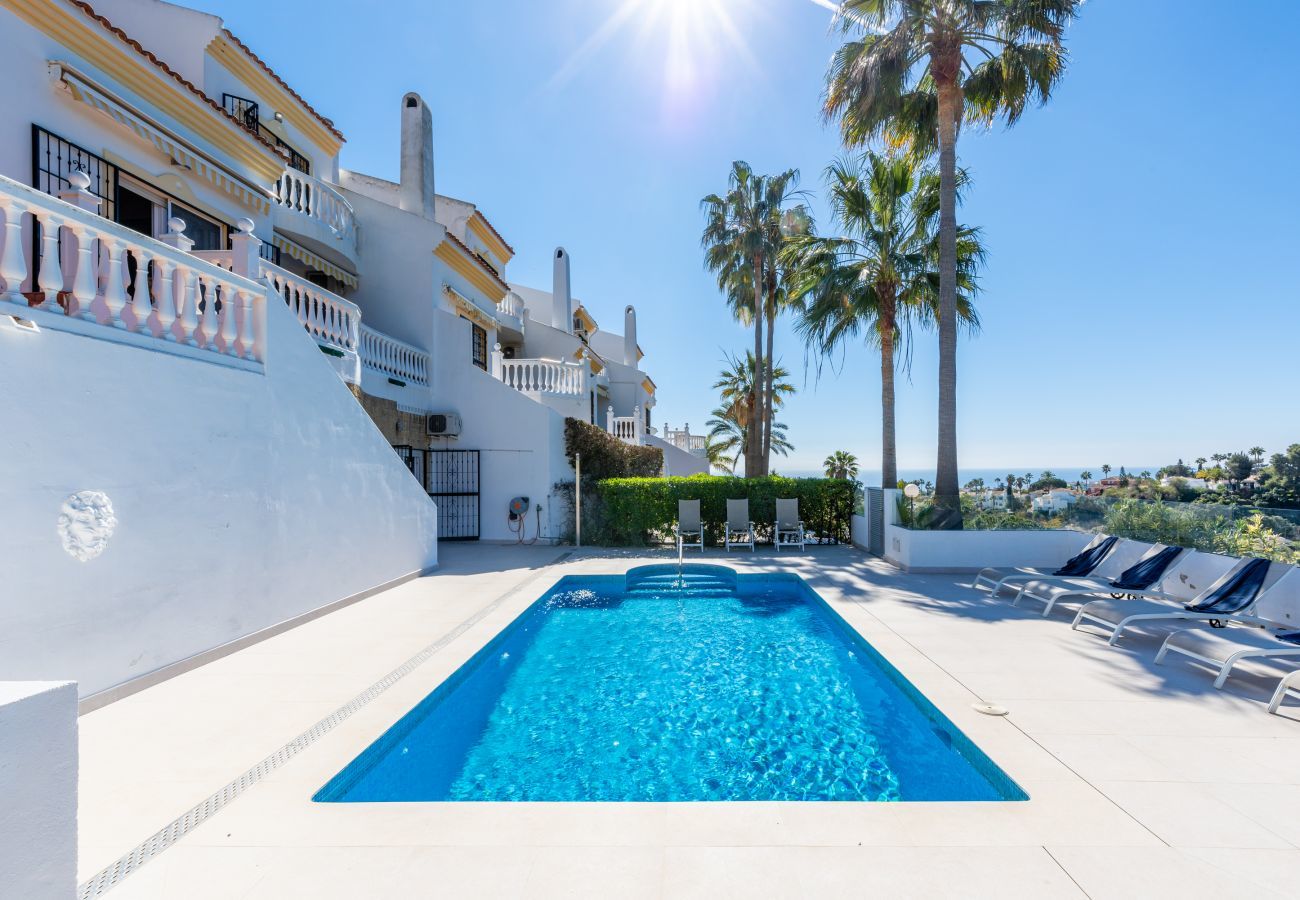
738	383
841	464
1257	453
1105	471
880	277
742	238
917	70
1200	463
719	455
1087	477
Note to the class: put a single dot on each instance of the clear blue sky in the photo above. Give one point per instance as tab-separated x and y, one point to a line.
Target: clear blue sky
1142	228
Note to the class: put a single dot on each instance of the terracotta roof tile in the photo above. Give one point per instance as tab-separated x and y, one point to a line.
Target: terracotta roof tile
474	256
328	123
493	229
139	48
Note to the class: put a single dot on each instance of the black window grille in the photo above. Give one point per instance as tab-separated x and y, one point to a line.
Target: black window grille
250	114
478	336
243	109
54	159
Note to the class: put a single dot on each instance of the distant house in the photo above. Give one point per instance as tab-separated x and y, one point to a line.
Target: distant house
1057	500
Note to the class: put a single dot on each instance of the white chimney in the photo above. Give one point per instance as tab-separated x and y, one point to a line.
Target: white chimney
417	193
629	337
561	296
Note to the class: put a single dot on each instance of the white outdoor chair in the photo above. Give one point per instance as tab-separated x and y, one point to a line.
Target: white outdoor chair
739	530
689	525
789	531
1191	581
1276	611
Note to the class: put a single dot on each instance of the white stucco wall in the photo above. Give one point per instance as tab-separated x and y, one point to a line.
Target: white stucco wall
241	500
38	790
860	531
677	462
970	551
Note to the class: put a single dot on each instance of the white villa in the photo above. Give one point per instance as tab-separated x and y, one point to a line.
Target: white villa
185	152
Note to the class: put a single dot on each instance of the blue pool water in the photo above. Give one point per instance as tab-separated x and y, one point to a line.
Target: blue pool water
634	688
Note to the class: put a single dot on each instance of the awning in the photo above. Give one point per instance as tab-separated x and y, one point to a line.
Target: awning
85	90
471	309
312	261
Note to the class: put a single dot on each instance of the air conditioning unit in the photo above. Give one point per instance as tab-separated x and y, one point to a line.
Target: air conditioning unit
443	424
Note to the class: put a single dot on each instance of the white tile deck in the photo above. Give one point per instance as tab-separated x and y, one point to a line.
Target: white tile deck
1143	779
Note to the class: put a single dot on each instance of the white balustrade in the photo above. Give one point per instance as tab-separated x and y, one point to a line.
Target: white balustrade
326	316
512	305
545	376
682	439
64	259
393	357
312	197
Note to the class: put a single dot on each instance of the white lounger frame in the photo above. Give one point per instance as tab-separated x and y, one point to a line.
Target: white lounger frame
996	583
1288	683
1283	650
1173	614
1085	585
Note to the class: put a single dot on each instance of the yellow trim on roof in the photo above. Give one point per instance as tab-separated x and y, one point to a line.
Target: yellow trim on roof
237	62
479	225
106	51
648	385
588	322
470	269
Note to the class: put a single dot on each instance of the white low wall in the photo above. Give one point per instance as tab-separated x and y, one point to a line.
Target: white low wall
38	790
970	551
241	500
859	531
678	462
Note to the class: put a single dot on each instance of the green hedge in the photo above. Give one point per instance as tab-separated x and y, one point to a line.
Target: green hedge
604	456
640	510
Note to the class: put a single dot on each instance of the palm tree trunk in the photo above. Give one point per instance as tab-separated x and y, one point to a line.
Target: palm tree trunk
768	399
945	481
888	437
754	448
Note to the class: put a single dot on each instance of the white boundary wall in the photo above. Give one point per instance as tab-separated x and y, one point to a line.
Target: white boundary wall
241	500
970	551
38	790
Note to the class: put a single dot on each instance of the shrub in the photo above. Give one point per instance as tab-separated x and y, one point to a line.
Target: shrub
604	456
638	510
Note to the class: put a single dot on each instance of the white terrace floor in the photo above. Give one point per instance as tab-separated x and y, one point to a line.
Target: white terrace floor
1144	781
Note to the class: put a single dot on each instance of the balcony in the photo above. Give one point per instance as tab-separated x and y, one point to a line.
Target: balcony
64	267
542	376
682	439
316	214
394	359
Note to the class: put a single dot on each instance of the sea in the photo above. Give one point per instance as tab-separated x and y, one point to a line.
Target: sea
1071	474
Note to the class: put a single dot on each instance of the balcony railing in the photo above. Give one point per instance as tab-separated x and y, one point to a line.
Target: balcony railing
394	358
325	315
314	198
511	305
628	429
542	376
682	439
64	259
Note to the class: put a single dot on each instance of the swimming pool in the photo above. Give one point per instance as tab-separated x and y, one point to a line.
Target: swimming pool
646	688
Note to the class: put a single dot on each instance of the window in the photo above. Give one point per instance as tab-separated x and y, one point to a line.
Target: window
204	232
478	346
54	159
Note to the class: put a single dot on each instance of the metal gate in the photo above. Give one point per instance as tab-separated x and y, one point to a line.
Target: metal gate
876	521
451	478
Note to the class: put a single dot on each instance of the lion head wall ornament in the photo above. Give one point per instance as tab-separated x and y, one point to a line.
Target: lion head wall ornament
86	522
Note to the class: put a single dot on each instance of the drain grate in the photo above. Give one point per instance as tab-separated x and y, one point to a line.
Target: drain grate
113	874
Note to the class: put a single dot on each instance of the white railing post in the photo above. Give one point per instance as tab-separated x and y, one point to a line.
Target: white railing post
245	251
13	265
497	362
638	425
609	421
